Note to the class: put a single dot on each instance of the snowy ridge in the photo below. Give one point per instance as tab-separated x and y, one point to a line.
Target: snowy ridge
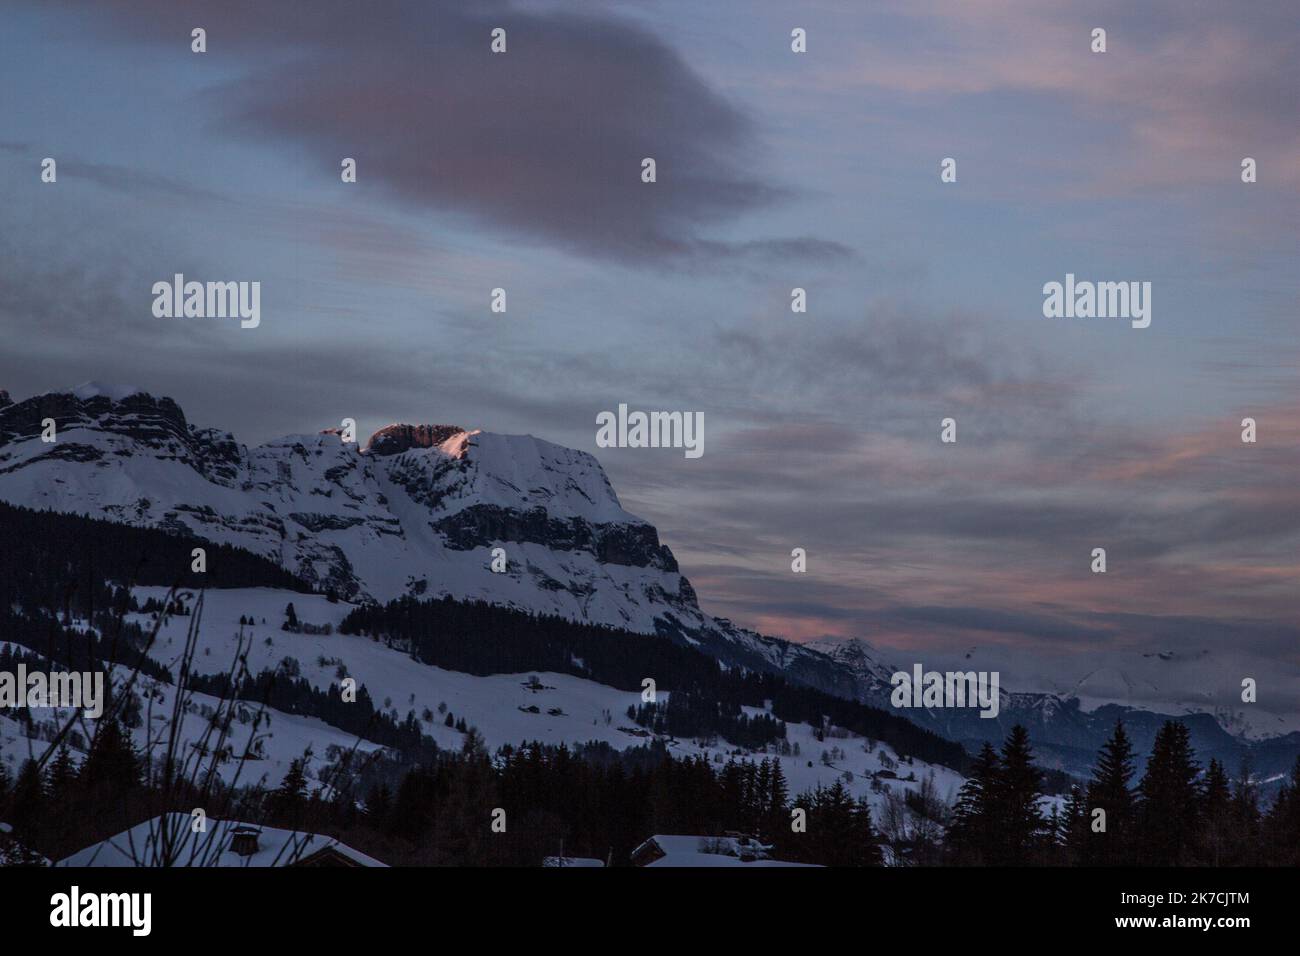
418	511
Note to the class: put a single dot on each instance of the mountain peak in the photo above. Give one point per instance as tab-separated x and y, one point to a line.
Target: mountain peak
839	643
114	393
395	439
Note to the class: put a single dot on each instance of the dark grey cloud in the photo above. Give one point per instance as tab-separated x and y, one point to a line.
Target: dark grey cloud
895	358
1187	634
1001	621
545	141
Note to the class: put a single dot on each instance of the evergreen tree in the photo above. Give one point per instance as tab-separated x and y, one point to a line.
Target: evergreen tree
1281	826
378	803
61	777
112	762
28	797
969	834
1074	830
866	841
1217	817
1246	832
758	806
1110	790
1170	804
1017	820
288	803
839	832
777	819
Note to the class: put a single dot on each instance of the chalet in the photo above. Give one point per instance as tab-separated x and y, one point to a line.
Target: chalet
171	840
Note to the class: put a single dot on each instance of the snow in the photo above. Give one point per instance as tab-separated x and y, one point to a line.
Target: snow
567	482
284	737
695	851
324	508
717	859
89	390
589	711
495	705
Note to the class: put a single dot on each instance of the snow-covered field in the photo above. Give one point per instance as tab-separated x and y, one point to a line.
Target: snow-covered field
283	737
569	709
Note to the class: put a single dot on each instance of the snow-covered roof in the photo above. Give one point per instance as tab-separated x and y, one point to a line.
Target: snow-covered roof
681	850
143	845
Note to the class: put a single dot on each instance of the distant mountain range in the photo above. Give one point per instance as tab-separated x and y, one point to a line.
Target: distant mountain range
420	510
1064	734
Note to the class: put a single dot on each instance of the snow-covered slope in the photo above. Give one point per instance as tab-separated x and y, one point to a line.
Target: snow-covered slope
504	708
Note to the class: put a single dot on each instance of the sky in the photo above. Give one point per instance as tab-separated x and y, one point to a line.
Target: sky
775	170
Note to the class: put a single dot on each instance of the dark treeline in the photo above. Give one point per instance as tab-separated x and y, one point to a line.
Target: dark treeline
79	649
685	715
70	804
69	563
1176	814
590	801
296	695
479	638
56	569
595	801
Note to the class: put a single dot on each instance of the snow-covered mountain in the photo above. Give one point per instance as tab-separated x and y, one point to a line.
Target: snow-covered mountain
418	510
862	660
1065	734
